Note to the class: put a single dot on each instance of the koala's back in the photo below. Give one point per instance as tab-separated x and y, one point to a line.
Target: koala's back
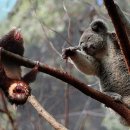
113	73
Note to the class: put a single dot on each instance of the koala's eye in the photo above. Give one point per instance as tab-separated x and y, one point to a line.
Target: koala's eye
81	42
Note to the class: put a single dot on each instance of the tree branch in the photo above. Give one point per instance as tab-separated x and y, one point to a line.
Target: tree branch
43	113
64	76
122	28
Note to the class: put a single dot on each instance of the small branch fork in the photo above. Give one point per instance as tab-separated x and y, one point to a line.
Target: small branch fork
121	109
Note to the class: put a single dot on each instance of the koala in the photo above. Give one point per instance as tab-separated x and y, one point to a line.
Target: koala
98	54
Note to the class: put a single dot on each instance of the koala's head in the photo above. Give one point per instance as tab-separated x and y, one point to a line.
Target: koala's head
94	39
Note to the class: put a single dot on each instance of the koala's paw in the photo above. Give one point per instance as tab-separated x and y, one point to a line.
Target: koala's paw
117	97
68	52
126	101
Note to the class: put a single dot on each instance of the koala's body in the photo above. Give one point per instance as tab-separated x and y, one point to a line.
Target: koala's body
99	54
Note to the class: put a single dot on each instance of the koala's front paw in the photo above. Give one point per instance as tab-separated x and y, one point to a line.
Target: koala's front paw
68	52
117	97
126	101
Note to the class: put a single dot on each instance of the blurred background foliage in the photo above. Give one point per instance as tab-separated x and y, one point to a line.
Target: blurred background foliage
48	26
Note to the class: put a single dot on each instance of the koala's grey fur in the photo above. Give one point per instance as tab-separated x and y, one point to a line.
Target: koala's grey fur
99	54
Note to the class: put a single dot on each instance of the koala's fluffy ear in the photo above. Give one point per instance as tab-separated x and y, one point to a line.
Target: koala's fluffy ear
99	26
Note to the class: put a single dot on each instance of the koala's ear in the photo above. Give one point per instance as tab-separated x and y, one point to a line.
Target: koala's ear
99	26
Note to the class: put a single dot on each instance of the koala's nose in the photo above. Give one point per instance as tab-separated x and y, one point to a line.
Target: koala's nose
89	49
92	47
84	47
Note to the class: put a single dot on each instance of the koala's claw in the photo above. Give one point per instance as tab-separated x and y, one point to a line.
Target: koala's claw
116	97
36	65
67	52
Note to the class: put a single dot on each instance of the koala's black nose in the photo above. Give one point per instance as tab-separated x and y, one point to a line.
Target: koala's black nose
89	49
92	47
85	48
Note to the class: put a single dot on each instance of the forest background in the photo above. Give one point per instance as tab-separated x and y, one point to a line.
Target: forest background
48	26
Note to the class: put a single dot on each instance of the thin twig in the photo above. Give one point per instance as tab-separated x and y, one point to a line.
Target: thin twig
43	113
67	105
48	39
67	89
84	113
43	23
69	30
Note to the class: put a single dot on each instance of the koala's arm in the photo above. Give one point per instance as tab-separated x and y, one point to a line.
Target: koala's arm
83	62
